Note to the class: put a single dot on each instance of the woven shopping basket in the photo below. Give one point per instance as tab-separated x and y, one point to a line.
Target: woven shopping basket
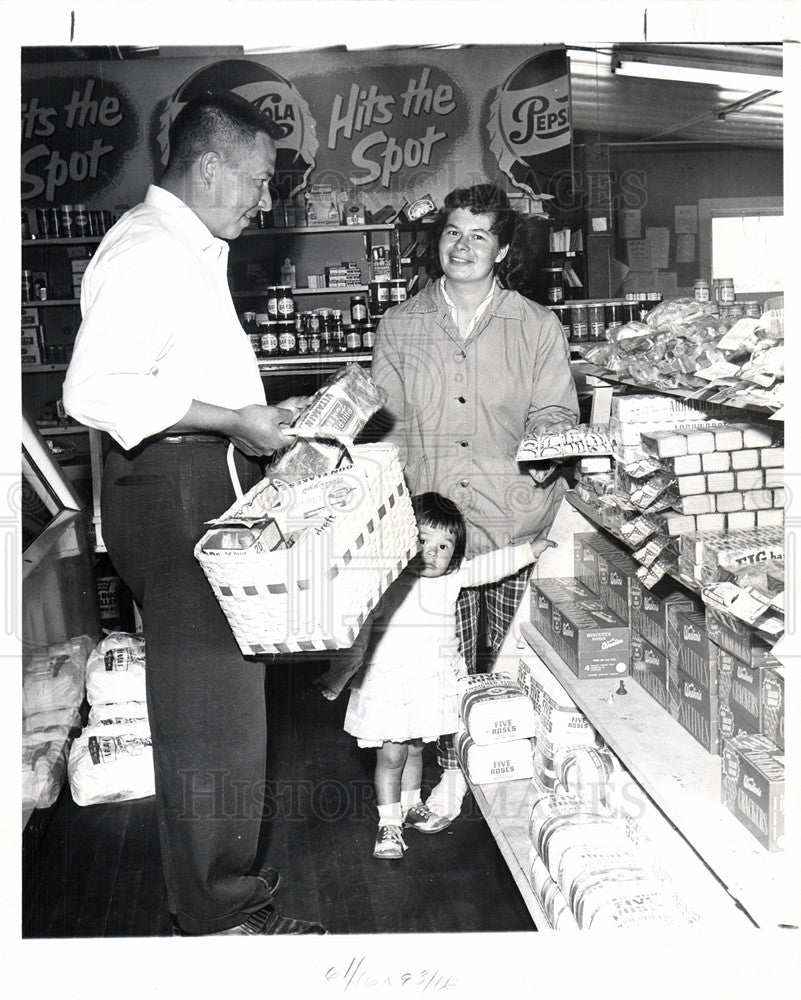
316	594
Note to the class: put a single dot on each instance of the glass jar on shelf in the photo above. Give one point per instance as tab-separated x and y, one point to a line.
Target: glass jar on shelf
554	281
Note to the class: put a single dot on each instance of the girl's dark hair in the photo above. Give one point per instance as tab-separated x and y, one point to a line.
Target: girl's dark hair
441	513
481	199
527	238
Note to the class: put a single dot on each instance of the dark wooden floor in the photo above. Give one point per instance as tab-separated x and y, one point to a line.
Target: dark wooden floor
94	871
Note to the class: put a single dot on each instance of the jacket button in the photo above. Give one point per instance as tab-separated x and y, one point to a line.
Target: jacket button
464	444
462	399
464	482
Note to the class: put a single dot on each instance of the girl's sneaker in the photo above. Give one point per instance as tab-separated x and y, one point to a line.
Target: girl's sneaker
421	818
389	843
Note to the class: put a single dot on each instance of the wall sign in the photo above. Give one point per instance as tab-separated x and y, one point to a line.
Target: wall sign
76	132
274	96
405	121
529	123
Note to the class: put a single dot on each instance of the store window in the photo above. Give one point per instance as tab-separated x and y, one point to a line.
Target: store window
743	239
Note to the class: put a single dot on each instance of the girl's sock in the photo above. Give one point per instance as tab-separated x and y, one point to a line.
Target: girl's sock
391	814
410	797
446	798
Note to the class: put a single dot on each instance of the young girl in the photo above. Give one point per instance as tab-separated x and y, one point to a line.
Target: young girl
407	695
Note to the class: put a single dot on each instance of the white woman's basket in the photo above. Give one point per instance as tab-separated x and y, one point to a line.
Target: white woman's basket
317	594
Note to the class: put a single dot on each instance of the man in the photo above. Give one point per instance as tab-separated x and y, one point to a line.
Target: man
163	365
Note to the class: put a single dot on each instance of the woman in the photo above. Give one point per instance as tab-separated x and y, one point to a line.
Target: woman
469	367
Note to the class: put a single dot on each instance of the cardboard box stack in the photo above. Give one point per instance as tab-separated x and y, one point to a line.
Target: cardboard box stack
709	670
679	474
591	639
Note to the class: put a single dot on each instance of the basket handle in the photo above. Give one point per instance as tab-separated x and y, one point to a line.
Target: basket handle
304	433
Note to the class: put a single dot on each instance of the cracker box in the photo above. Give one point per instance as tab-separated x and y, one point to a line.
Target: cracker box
745	696
650	615
585	559
773	705
752	787
564	589
619	585
591	639
695	654
732	724
608	571
696	710
649	666
738	638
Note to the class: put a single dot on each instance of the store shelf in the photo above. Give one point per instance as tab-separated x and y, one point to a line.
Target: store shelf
383	227
44	303
593	515
506	806
56	431
704	394
684	782
328	290
61	241
309	364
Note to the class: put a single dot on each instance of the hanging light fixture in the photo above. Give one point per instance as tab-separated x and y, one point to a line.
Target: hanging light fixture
685	66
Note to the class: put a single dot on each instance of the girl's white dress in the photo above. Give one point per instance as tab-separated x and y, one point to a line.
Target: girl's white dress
408	689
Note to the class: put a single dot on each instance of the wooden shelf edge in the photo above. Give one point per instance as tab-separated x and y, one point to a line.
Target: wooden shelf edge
517	795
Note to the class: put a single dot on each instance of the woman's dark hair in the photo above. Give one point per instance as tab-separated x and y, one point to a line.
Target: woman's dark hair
222	121
527	238
442	514
481	199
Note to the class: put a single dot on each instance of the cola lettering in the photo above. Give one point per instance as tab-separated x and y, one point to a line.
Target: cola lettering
533	111
282	115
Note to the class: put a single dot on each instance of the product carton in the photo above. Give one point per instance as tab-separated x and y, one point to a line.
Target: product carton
619	586
695	654
591	639
696	710
585	559
608	571
752	787
773	705
732	724
649	666
738	638
650	615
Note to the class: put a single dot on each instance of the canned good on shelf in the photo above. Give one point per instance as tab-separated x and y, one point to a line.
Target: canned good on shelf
596	320
379	296
397	291
554	285
613	312
579	322
725	291
562	313
287	338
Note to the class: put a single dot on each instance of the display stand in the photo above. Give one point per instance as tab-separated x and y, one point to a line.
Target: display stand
716	867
